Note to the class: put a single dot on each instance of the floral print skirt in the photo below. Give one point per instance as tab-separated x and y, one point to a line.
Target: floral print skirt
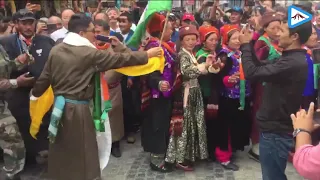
192	143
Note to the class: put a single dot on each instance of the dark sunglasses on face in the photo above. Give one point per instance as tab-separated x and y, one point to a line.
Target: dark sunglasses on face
90	30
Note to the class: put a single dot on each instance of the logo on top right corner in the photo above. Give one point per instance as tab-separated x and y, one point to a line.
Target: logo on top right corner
297	16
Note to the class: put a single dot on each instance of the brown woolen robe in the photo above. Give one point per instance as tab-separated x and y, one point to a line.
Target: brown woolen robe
70	71
116	113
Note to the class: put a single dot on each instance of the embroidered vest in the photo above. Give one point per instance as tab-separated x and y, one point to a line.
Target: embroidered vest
168	74
309	89
273	53
234	92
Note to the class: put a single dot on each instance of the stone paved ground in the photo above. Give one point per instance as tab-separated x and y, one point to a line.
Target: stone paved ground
134	165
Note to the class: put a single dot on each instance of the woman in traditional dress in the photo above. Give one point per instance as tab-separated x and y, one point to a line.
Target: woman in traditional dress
309	94
155	128
209	83
190	141
266	48
234	115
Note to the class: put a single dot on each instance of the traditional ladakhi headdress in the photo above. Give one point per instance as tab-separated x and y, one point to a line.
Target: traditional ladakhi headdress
156	23
205	31
188	30
228	30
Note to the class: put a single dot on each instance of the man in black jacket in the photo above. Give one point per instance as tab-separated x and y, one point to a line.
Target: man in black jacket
285	81
38	47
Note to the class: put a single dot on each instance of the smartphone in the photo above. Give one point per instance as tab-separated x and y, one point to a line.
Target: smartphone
108	3
29	75
209	3
103	38
92	4
104	3
250	3
52	27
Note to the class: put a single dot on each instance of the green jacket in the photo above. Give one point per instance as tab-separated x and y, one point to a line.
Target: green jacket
7	65
204	81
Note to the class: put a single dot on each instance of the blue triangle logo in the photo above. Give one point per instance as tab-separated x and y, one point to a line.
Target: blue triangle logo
297	16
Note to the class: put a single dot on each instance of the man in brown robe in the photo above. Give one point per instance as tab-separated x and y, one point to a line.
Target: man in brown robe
70	70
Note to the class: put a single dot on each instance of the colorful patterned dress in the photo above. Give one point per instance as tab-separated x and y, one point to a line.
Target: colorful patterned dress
191	144
155	127
210	87
234	125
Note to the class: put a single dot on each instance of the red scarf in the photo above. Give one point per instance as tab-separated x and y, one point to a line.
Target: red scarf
27	41
103	47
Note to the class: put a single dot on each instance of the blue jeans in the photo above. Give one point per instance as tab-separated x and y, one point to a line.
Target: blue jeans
274	152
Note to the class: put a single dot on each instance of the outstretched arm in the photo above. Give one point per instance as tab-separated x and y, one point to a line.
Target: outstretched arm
265	72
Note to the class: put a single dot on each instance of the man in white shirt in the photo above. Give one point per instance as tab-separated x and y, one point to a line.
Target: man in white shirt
61	33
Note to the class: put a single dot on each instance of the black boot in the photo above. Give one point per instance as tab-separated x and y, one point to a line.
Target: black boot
230	166
164	168
115	149
253	156
1	156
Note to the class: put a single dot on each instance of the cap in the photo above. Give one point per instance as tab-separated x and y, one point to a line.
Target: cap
227	29
188	16
269	17
205	31
260	9
24	14
188	30
235	9
156	23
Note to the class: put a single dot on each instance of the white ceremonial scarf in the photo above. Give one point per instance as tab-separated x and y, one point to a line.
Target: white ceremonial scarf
104	139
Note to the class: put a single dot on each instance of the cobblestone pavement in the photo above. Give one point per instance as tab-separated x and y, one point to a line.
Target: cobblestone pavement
134	165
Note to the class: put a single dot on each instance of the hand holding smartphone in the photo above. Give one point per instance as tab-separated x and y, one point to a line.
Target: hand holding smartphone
28	74
103	38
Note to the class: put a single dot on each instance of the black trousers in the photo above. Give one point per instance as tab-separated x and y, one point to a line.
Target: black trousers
131	105
155	127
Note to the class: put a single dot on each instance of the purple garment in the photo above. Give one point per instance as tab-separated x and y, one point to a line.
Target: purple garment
234	92
168	74
309	89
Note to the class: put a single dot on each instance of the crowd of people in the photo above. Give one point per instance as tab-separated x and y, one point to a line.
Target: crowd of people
231	79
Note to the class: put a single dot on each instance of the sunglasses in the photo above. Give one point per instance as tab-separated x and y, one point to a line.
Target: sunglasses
90	30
